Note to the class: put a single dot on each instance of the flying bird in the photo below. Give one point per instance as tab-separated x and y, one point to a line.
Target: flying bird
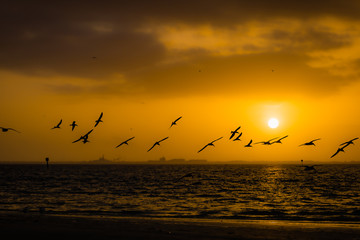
349	142
210	144
7	129
234	132
174	122
58	125
341	149
124	142
249	144
279	140
310	143
157	143
84	137
238	137
337	151
73	125
99	120
267	142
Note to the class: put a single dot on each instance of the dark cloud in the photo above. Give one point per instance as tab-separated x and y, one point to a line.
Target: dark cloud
62	38
68	46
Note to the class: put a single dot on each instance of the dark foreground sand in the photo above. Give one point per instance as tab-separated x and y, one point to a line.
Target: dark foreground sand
44	226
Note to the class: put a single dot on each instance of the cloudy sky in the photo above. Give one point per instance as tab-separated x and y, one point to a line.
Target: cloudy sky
218	64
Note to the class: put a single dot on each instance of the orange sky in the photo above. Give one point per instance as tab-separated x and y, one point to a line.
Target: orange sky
218	64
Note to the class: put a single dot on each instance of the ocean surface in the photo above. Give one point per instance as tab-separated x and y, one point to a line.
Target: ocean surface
261	192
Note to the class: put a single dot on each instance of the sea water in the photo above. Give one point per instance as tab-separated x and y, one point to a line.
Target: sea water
262	192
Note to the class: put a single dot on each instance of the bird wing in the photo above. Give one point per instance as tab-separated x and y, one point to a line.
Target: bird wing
335	153
125	142
78	139
119	144
130	139
13	130
234	132
315	140
349	141
178	119
217	139
59	123
203	148
152	147
100	116
250	142
163	139
347	144
238	137
272	139
283	137
259	142
89	132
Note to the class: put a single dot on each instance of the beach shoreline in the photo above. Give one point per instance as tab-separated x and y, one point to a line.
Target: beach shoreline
50	226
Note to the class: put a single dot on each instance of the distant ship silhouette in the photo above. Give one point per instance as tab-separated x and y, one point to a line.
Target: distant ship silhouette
101	160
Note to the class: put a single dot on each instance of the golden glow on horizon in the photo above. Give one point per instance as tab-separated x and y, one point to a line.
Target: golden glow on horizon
217	73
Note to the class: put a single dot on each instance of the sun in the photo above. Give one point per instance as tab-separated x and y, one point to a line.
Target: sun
273	123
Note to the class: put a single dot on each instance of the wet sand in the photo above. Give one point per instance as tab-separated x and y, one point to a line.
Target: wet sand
44	226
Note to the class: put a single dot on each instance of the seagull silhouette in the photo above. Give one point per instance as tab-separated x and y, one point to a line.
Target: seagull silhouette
238	137
124	142
174	122
249	144
58	125
157	143
310	143
7	129
73	125
234	132
267	142
279	140
349	142
339	150
210	144
84	137
99	120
